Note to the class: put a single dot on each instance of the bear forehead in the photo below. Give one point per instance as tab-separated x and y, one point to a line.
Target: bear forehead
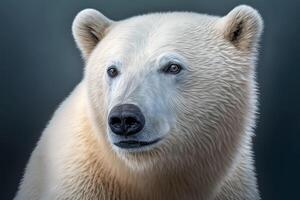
153	34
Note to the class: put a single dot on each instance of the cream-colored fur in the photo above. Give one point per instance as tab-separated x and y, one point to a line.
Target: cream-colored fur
205	114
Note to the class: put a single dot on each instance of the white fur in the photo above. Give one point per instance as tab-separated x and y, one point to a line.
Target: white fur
204	115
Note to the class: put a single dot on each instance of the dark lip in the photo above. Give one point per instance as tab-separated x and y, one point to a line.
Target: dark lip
132	144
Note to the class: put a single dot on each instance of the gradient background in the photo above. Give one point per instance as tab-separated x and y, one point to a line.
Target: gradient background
40	65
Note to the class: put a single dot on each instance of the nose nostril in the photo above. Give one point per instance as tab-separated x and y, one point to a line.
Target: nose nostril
131	121
115	121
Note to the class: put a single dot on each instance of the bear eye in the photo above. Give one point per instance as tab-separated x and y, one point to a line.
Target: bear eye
112	72
172	68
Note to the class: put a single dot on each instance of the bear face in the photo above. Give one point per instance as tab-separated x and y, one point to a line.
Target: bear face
172	82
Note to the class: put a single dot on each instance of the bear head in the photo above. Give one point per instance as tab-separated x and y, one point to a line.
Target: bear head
171	86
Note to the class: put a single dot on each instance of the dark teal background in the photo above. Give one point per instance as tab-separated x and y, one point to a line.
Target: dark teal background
40	65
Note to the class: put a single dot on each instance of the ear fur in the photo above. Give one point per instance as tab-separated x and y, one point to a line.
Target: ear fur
242	27
88	29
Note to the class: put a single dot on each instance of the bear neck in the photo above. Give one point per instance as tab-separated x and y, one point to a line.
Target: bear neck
167	181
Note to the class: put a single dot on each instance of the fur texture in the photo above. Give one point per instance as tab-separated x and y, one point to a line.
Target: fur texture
204	114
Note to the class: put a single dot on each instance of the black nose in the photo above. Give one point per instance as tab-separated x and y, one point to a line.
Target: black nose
126	119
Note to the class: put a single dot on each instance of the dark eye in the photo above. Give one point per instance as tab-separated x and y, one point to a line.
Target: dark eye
112	72
172	69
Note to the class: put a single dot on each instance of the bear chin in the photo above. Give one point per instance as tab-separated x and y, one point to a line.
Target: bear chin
140	159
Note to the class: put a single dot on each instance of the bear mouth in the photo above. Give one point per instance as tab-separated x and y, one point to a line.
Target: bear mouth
132	144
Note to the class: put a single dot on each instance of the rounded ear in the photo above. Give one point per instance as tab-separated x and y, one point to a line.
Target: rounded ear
242	26
89	27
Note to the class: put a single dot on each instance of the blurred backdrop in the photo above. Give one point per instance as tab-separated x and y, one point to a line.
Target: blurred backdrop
40	65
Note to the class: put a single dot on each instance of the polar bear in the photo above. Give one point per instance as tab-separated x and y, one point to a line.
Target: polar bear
165	110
